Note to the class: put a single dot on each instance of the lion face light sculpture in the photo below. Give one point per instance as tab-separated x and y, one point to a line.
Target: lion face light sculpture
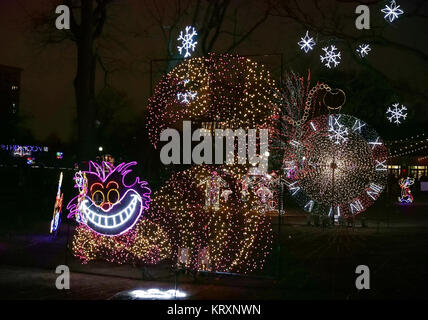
109	201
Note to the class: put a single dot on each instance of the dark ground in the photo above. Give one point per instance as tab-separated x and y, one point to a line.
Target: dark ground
315	263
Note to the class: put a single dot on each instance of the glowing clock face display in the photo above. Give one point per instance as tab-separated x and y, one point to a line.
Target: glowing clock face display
338	167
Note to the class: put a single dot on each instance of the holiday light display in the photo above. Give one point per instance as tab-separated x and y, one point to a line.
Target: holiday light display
231	92
232	238
337	179
111	205
213	185
296	102
265	188
109	210
187	43
56	219
331	57
406	193
145	243
392	11
306	43
81	183
396	114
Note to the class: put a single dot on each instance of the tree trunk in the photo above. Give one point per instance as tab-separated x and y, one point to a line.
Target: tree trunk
84	86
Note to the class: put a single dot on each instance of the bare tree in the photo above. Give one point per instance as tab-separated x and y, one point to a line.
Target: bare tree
221	23
326	18
87	20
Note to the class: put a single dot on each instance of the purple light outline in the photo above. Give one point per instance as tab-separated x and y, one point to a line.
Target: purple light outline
123	169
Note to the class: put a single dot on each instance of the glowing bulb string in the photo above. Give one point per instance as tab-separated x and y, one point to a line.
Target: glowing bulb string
406	139
411	146
407	152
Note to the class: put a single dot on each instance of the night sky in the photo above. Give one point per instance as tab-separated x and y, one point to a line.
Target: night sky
133	38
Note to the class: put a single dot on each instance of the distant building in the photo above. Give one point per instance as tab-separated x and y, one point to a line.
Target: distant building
10	85
409	157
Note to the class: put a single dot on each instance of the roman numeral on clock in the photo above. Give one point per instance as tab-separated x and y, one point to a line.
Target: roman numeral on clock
293	188
375	143
309	206
356	206
374	191
381	165
358	126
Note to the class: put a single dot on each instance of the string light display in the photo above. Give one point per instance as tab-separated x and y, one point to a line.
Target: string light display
409	148
408	152
337	179
233	238
111	205
407	139
296	102
109	209
56	219
229	91
146	243
263	187
406	193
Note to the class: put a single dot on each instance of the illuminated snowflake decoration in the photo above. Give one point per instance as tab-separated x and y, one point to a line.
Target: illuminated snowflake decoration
306	43
186	97
396	114
392	11
337	132
332	56
187	43
363	50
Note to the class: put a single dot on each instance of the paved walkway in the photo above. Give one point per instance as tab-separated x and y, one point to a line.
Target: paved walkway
39	284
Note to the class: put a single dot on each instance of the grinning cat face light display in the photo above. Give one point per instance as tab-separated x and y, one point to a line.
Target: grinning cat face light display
109	201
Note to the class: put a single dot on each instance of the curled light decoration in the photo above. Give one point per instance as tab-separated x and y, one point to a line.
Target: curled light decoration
337	179
295	101
232	237
229	90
